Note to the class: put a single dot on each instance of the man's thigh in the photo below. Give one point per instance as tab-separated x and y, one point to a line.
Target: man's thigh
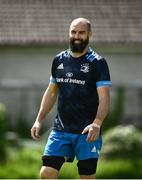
87	155
59	144
87	167
86	150
55	162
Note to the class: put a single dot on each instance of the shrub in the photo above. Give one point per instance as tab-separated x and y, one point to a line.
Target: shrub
22	163
122	142
22	127
121	153
119	169
3	129
117	110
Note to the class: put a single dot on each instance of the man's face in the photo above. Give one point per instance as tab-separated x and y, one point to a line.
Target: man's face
79	37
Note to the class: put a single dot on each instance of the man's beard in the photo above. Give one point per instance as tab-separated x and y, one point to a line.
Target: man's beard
78	47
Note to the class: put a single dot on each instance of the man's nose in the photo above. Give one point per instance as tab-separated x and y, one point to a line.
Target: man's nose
77	36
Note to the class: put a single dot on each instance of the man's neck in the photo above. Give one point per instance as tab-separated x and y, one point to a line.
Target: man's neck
78	54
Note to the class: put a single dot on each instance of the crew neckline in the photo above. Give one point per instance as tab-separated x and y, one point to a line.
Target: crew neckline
79	56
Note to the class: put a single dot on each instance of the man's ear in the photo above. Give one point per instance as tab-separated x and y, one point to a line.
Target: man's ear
90	34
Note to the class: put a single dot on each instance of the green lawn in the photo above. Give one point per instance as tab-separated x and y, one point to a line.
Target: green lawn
25	163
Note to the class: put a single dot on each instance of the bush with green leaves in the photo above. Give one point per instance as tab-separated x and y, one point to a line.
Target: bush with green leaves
122	142
121	153
119	169
116	111
21	164
3	129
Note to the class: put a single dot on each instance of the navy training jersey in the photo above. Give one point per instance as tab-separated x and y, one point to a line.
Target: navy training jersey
78	79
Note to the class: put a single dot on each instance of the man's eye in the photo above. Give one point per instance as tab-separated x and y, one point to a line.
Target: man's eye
73	32
82	32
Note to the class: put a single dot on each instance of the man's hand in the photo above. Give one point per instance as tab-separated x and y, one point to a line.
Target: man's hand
93	132
35	130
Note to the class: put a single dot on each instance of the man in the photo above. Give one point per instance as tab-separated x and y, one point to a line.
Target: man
81	81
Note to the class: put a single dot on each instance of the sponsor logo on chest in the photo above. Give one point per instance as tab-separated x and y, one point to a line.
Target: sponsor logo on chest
69	75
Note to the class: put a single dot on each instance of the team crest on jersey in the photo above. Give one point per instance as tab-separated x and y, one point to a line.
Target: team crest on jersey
85	67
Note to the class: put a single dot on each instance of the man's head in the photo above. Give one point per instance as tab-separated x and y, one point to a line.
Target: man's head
79	34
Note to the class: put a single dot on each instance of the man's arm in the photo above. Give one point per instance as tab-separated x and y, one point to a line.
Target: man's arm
47	103
104	100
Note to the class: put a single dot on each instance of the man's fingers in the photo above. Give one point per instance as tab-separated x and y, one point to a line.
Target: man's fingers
33	130
92	134
88	137
85	130
35	133
91	137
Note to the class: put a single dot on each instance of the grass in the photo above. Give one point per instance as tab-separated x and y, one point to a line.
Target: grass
107	169
69	171
25	163
119	169
21	164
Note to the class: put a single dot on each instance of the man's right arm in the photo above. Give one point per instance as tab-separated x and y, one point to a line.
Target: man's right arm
47	103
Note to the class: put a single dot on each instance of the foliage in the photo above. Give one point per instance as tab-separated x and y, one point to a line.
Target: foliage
121	153
21	164
120	158
22	127
116	113
3	128
25	163
119	169
69	171
122	142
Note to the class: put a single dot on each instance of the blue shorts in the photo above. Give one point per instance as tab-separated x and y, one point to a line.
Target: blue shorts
69	145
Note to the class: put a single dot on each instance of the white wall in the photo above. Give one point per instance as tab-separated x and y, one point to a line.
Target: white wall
24	76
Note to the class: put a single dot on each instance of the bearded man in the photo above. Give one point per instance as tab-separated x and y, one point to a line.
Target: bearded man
80	80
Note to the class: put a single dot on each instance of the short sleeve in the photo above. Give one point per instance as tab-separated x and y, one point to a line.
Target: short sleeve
102	73
53	68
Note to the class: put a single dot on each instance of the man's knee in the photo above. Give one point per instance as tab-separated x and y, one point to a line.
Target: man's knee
87	166
48	173
53	161
51	166
43	172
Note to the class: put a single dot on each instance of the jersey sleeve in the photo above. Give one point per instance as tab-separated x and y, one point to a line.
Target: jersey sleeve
53	68
102	73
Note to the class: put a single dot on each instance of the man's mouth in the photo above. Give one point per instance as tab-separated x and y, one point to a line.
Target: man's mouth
77	41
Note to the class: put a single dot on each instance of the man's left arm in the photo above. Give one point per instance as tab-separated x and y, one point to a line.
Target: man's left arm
103	107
